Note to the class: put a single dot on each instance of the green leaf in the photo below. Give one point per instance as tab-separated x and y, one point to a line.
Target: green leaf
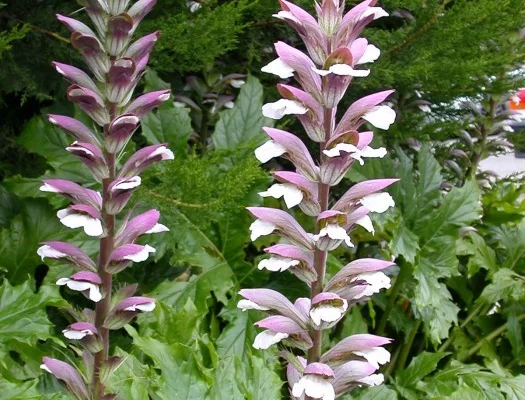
514	388
171	125
404	242
506	284
242	125
419	367
466	393
430	179
381	392
23	313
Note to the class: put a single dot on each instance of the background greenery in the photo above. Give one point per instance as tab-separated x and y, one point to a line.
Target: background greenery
458	237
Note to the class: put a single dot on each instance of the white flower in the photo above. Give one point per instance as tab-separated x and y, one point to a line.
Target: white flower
494	309
260	228
342	70
283	107
158	228
47	251
366	223
76	335
71	219
284	15
378	202
45	368
142	255
375	356
130	183
237	83
280	68
377	12
376	281
425	108
327	313
277	263
338	148
229	104
165	153
292	194
269	150
334	232
80	286
373	380
250	305
381	117
314	386
371	54
267	338
368	152
146	307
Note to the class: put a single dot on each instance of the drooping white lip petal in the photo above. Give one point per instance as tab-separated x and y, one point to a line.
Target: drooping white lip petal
48	188
335	232
338	148
260	228
166	154
314	386
45	368
376	281
47	251
371	54
269	150
92	226
280	68
425	108
366	223
377	12
381	117
237	83
142	255
292	194
284	15
80	286
327	313
130	183
76	335
283	107
277	263
378	202
267	338
158	228
146	307
342	70
368	152
250	305
373	380
375	356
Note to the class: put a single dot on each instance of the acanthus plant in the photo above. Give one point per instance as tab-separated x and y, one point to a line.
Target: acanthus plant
117	66
335	56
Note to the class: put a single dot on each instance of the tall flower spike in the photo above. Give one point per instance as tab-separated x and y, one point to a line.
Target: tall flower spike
336	55
107	97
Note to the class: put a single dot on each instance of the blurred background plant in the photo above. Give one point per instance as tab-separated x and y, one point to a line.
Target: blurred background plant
458	309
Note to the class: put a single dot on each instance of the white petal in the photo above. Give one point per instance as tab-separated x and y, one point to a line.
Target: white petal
369	152
366	223
237	83
375	356
269	150
373	380
267	338
335	232
279	68
260	228
229	104
158	228
47	251
425	108
250	305
164	152
130	183
314	386
283	107
141	255
79	286
277	263
291	193
381	117
347	70
92	226
378	202
377	12
376	281
284	15
94	293
44	367
48	188
146	307
507	128
322	72
327	313
371	54
75	335
338	148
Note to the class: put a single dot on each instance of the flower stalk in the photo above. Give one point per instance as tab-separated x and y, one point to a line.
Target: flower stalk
335	55
117	65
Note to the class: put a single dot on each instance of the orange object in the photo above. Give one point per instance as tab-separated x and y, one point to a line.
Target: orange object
517	102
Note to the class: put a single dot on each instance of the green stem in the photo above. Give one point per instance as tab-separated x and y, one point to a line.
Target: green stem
491	336
392	362
405	350
404	272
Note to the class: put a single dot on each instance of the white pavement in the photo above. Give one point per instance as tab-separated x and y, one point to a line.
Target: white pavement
503	165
